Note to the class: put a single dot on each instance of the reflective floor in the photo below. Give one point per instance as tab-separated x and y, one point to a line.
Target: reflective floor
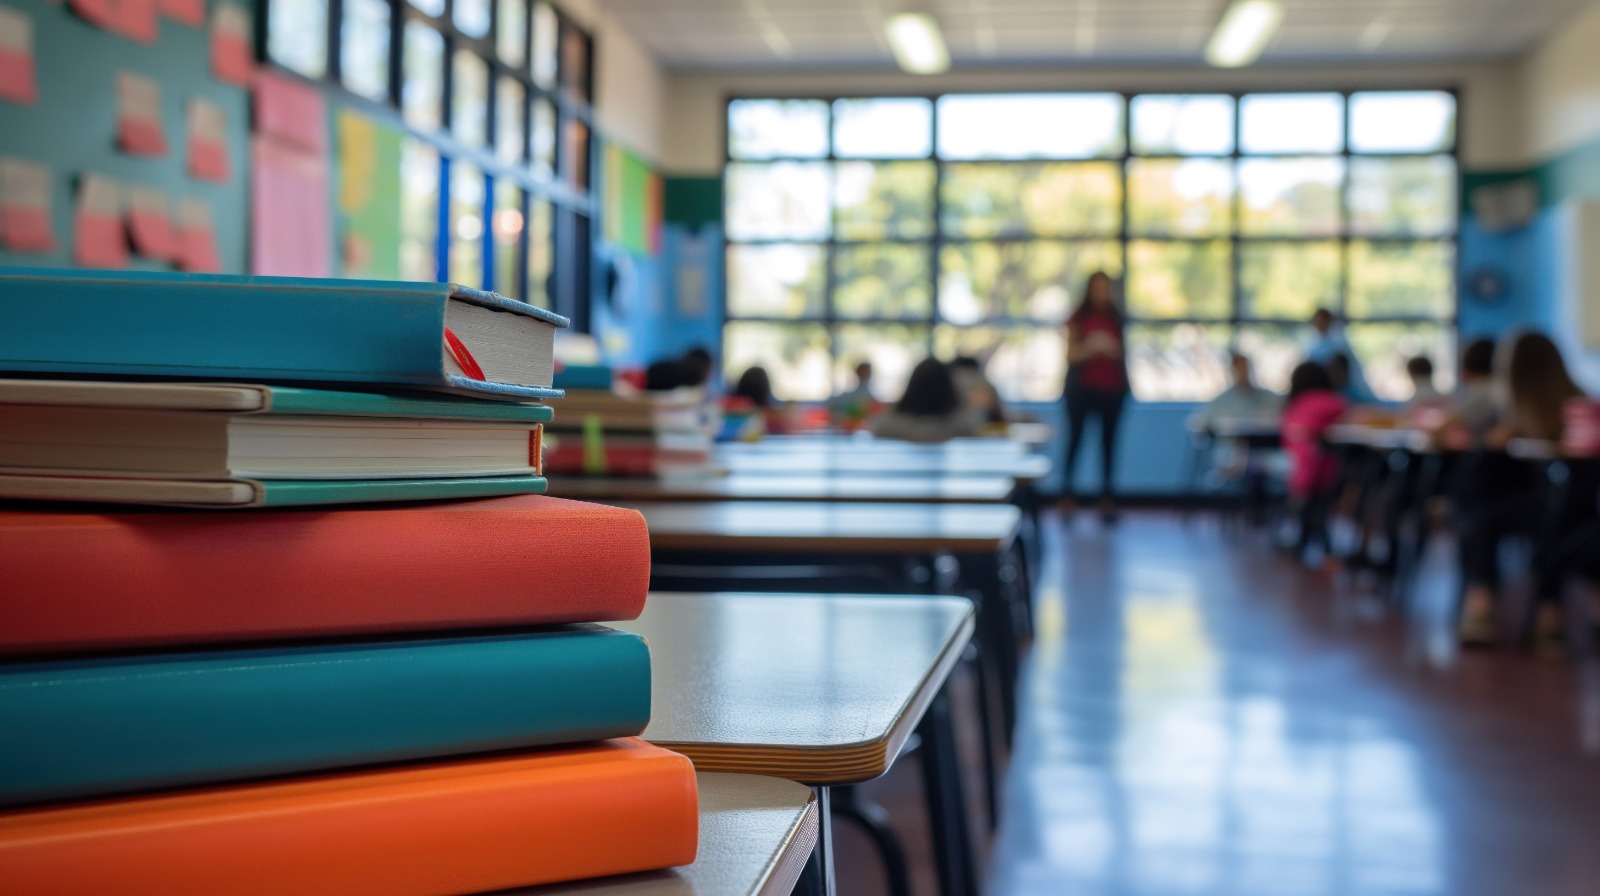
1202	717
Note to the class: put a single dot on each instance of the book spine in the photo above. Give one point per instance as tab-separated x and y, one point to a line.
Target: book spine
304	492
101	727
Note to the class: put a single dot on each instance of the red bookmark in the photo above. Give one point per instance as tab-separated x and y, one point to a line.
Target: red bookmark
458	350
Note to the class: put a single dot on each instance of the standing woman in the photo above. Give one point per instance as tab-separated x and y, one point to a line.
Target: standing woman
1097	382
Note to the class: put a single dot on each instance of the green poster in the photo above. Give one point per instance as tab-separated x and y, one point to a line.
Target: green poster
369	197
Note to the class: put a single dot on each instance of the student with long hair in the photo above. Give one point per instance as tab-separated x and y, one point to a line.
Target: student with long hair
755	389
929	411
1097	383
1311	407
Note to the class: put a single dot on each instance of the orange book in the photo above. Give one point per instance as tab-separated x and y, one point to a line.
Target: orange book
75	580
467	826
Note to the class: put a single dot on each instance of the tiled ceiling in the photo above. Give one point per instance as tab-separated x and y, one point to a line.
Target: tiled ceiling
810	34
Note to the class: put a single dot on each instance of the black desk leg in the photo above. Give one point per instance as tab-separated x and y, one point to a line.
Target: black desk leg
947	802
817	878
997	633
874	820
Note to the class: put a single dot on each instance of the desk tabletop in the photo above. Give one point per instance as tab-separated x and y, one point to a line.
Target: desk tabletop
932	489
823	527
756	833
815	688
963	447
1534	449
948	462
1382	438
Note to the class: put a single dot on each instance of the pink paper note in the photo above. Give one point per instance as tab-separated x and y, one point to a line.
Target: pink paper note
290	205
105	14
291	111
139	130
189	12
197	239
25	207
208	141
98	240
137	19
230	44
17	80
149	225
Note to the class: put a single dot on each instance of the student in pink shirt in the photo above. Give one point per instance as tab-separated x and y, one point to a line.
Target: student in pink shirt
1311	407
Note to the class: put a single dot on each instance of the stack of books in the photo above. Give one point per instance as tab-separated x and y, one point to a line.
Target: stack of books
398	698
614	433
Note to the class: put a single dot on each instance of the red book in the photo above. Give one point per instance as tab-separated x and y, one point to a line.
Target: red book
75	581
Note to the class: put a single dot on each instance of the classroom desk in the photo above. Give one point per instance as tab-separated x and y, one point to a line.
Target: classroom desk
1025	468
756	834
935	489
968	446
818	688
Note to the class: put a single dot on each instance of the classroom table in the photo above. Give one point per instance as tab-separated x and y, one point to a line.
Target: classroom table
756	834
823	689
975	445
741	459
851	488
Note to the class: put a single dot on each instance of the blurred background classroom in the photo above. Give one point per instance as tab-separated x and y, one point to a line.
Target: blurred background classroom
1300	300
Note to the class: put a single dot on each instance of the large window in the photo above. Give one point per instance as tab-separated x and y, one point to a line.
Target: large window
494	98
889	228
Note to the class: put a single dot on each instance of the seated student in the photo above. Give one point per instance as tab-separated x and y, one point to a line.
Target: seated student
851	408
1424	394
1473	410
1242	400
693	369
1311	406
1494	495
1347	379
929	411
755	389
978	396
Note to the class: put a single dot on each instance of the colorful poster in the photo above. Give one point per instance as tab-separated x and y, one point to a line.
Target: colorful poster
208	141
289	205
139	130
150	224
230	44
290	111
196	238
632	209
369	197
188	12
25	207
97	239
18	82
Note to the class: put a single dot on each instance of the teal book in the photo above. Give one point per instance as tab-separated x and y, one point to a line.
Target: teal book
115	724
276	329
248	493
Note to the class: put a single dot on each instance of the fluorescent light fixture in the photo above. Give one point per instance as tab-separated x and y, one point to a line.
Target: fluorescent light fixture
917	44
1243	32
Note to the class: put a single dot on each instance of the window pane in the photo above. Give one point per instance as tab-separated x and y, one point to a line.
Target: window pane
769	129
575	153
1291	197
1183	125
781	200
795	356
1172	279
893	349
1385	348
1288	281
419	211
540	251
1027	126
546	33
1040	198
883	200
297	35
1291	122
1273	351
1178	362
883	280
883	128
364	41
785	280
544	137
468	94
1418	121
422	93
510	103
1401	279
466	224
574	64
1024	363
508	227
431	7
1180	197
1403	197
511	32
472	17
1037	280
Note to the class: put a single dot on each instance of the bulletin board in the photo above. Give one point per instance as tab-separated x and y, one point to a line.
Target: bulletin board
72	127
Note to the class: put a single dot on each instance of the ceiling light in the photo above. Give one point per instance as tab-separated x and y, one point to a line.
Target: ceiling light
917	45
1243	32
